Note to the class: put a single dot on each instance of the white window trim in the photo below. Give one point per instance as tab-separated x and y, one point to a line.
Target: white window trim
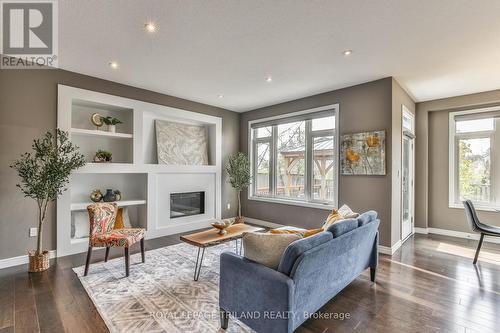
453	201
310	204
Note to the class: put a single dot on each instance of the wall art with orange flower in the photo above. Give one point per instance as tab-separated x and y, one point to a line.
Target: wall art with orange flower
363	153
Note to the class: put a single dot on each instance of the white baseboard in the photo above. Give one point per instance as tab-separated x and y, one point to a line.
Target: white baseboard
458	234
20	260
389	250
419	230
263	223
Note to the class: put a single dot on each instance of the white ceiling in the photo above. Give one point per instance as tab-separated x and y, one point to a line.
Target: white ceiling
203	48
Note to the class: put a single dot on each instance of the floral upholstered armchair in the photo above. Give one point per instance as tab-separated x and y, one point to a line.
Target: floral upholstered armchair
102	233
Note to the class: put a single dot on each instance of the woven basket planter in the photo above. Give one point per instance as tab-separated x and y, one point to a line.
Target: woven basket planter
38	263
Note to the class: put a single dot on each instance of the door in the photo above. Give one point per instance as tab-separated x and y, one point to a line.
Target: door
407	186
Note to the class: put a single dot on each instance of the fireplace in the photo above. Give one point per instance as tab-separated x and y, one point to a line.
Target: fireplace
187	204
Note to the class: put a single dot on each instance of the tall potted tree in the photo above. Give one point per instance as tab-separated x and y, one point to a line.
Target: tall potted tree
238	170
44	173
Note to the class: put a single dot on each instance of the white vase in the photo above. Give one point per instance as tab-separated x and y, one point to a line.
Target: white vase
112	128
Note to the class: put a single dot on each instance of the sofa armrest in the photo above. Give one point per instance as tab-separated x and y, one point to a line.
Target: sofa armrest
257	295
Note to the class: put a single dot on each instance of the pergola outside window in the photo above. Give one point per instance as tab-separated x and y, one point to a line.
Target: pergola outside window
295	158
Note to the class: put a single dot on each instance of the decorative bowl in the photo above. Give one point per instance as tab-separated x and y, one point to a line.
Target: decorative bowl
222	225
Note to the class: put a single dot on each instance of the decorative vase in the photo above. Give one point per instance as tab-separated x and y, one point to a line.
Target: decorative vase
112	128
118	195
109	196
38	262
96	195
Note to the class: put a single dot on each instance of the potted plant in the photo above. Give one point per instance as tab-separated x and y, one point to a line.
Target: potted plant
44	174
111	122
103	156
238	170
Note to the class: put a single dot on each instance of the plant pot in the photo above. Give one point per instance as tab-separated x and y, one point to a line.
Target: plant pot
112	128
38	263
239	219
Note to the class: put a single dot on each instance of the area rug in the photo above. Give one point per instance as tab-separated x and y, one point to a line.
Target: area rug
159	295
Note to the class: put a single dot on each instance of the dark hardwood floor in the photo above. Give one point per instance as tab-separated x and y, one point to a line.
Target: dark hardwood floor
429	285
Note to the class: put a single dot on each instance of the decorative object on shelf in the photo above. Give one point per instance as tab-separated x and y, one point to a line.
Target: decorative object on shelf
181	144
103	156
96	119
238	170
363	153
111	122
110	196
96	195
118	195
44	174
222	225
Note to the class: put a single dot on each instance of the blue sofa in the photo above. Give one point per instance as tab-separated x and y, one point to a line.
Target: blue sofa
311	272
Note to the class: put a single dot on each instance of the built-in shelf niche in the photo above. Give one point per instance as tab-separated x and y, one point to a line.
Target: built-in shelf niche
133	187
150	154
90	138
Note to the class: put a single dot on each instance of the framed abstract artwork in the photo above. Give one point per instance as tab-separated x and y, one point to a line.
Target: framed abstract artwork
181	144
363	153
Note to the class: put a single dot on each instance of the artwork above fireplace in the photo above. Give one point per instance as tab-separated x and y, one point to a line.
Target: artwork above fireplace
187	204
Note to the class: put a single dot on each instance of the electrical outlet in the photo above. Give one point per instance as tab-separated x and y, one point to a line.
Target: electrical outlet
228	206
33	232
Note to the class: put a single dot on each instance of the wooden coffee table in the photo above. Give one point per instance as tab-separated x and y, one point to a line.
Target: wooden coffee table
208	238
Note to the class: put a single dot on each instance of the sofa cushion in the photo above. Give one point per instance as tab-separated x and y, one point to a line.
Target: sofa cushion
295	249
341	227
267	248
367	217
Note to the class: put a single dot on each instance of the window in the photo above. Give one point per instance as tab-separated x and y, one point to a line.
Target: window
475	157
294	158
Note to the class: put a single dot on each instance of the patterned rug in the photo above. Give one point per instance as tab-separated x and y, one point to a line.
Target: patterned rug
159	295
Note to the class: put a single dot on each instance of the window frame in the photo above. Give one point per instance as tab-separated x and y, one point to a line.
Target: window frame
453	139
309	159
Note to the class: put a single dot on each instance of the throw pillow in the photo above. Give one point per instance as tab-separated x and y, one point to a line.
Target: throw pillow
344	212
303	233
122	219
267	248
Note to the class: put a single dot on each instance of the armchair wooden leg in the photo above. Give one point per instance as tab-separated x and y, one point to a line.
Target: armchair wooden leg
224	318
127	261
373	274
143	253
87	263
478	248
106	256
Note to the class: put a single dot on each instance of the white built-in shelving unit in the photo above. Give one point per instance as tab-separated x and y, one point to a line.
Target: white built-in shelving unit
145	185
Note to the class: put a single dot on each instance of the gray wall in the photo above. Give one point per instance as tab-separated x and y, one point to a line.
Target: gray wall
363	107
432	162
28	106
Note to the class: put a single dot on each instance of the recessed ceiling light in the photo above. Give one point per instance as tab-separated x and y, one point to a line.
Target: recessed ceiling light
113	64
150	27
220	96
347	52
269	79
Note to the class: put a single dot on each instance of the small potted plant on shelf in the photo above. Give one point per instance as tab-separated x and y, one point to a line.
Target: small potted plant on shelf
111	122
44	174
103	156
238	170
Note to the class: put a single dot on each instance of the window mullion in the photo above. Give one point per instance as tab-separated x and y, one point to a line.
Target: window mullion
273	157
308	190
